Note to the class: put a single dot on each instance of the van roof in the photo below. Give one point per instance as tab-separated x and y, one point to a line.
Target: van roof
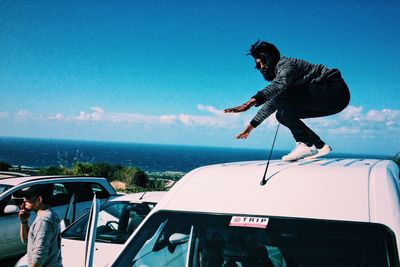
337	189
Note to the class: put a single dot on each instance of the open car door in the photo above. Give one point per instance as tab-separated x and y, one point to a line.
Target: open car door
90	238
67	220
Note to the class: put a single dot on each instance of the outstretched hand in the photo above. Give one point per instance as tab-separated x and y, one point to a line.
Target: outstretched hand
241	108
245	133
237	109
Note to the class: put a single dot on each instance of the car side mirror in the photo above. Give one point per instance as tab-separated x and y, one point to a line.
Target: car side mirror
178	238
11	209
175	240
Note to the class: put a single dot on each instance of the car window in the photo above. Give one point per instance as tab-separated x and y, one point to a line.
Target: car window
4	187
17	201
99	191
60	195
116	222
233	240
84	191
8	200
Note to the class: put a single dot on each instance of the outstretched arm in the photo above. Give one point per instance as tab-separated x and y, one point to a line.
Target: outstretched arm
243	107
245	133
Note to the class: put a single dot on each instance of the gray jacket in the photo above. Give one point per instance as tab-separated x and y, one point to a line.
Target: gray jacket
289	72
44	240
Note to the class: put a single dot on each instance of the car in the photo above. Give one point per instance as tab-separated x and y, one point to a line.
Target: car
64	187
7	174
117	219
322	212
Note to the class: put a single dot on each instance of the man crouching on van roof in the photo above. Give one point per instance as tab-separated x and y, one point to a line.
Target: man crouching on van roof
298	90
43	238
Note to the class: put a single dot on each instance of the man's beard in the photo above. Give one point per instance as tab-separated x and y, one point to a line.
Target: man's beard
268	72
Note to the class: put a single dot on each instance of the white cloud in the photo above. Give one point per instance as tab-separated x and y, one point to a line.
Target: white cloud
23	115
56	117
215	118
210	109
344	130
95	115
168	119
352	121
385	115
375	116
3	115
352	113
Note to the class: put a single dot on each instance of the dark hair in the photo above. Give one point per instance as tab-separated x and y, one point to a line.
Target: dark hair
46	196
264	50
43	190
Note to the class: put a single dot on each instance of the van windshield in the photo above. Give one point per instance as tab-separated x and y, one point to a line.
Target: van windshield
188	239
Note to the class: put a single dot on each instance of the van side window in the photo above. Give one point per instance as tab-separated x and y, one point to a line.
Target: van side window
84	191
99	191
60	195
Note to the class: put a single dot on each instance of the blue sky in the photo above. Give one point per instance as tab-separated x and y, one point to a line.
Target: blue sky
163	71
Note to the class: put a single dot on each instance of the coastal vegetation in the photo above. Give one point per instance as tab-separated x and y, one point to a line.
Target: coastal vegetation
127	179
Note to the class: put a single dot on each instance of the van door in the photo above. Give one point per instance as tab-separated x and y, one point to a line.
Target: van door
84	192
90	239
10	243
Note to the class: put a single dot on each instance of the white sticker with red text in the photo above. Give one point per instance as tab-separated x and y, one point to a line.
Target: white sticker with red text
255	222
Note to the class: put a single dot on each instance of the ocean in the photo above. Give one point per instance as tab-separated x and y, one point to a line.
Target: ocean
35	153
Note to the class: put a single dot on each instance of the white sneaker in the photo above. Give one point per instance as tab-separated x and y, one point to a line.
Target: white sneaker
300	151
321	152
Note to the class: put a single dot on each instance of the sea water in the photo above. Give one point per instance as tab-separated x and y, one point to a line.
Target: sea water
35	153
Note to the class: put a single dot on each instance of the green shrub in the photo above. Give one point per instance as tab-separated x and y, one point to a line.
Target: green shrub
54	171
135	179
132	176
4	166
96	169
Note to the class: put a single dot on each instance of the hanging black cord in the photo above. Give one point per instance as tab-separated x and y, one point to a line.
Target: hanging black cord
264	181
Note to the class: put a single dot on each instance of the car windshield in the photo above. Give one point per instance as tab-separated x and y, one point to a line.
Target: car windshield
4	187
116	222
186	239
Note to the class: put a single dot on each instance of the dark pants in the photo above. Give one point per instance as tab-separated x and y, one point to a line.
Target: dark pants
310	101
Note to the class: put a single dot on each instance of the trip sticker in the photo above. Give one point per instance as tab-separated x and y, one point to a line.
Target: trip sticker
255	222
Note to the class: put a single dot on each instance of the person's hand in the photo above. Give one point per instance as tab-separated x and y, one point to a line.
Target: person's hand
241	108
23	214
245	133
237	109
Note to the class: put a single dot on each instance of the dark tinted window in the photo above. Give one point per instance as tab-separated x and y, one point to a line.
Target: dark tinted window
61	196
4	187
99	191
278	242
84	191
117	221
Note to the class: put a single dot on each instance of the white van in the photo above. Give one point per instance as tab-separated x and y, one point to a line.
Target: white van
325	212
